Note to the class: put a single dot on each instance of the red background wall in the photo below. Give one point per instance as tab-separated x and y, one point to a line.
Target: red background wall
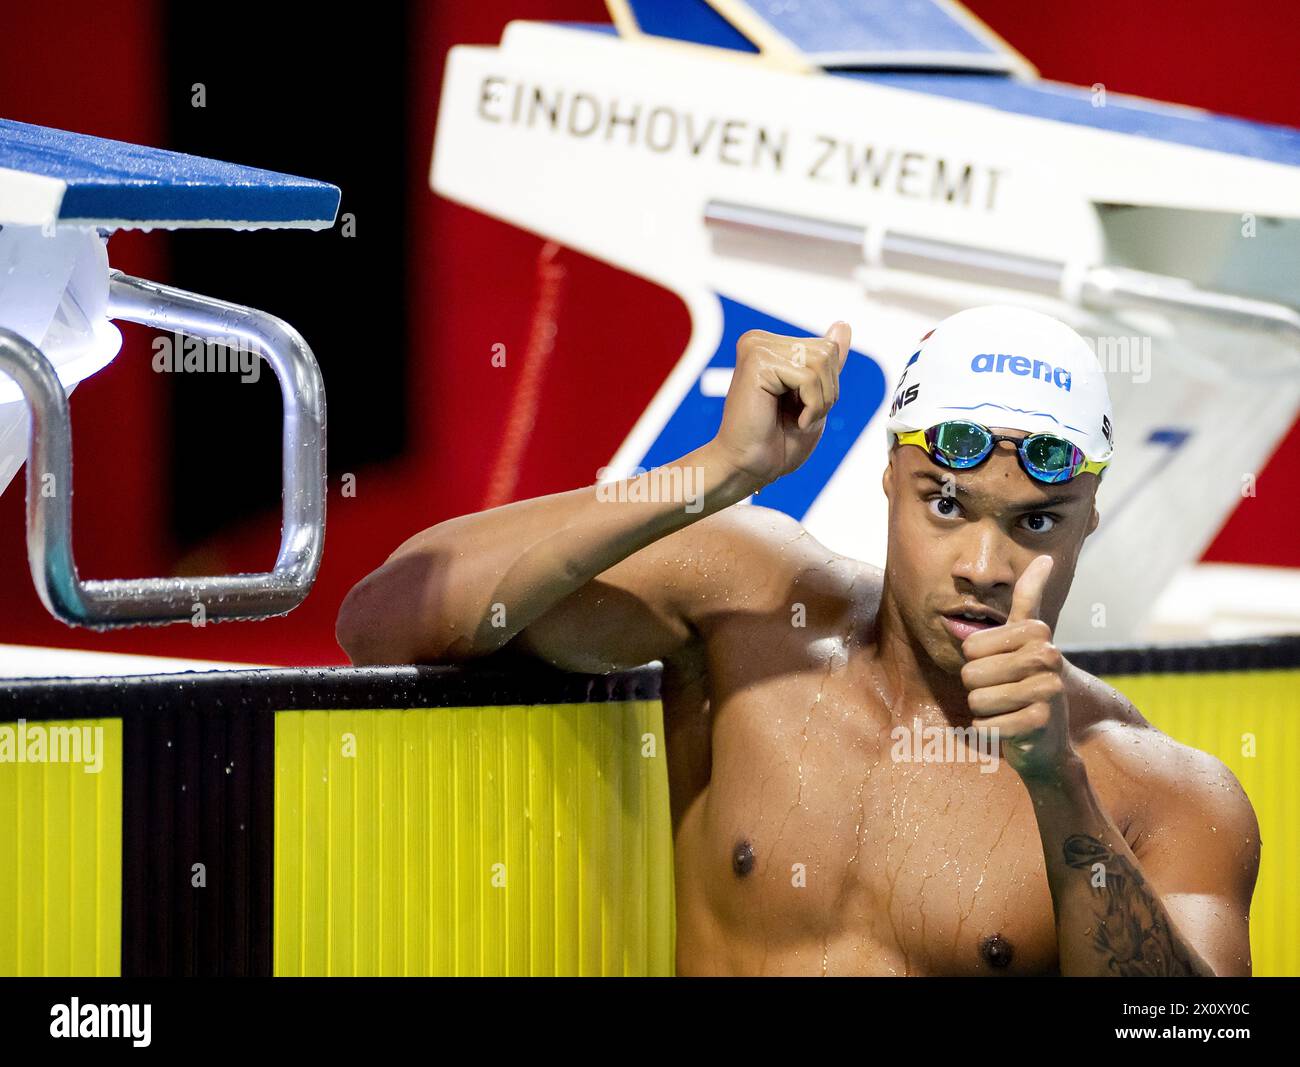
474	283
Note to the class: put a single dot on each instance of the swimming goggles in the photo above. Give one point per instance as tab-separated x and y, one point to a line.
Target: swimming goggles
962	445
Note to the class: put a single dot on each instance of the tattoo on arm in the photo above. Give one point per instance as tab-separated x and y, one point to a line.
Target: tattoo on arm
1131	930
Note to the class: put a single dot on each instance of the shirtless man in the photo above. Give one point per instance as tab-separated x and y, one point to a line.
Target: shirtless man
811	837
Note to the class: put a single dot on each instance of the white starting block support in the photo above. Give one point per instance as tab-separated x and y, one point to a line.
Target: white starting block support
62	195
784	165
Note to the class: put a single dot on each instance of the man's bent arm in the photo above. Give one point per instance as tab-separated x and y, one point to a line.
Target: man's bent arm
1184	907
465	587
1110	920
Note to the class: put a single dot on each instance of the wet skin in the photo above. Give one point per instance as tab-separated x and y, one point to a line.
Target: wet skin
780	739
802	846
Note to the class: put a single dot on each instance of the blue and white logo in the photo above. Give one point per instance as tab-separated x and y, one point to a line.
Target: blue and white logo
696	420
1023	366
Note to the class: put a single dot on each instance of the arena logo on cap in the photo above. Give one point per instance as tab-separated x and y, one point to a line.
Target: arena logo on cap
1001	363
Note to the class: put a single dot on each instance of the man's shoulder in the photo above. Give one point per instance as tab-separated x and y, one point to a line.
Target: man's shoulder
1098	704
1104	719
778	549
1109	728
748	523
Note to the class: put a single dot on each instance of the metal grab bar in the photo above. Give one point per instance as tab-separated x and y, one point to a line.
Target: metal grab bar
130	602
1098	288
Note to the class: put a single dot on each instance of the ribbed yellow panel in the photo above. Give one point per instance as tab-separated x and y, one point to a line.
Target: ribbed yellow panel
61	862
1218	713
473	841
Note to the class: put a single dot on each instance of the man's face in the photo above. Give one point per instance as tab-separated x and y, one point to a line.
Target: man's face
963	537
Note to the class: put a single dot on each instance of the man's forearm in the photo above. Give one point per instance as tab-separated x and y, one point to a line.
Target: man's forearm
1109	919
465	587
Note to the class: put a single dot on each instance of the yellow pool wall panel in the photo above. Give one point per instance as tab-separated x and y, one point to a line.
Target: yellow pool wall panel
519	840
61	860
1230	715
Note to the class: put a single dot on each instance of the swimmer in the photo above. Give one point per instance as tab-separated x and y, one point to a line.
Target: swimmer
870	772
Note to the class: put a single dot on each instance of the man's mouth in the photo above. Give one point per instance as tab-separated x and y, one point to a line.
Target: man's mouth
964	623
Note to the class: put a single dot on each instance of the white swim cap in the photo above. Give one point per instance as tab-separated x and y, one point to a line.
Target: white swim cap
1006	366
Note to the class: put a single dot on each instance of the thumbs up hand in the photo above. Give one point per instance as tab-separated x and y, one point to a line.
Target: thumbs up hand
1015	681
781	392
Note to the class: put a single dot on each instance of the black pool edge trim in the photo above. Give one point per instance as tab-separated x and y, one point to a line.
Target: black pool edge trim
518	683
320	688
1200	657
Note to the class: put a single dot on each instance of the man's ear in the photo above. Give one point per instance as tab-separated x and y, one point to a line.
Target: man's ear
887	479
1092	523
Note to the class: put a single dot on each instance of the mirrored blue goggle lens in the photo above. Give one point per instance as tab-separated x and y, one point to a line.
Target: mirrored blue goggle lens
1051	458
959	444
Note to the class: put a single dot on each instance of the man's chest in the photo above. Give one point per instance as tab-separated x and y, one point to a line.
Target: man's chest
908	847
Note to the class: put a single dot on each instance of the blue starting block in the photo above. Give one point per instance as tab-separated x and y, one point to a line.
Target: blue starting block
62	195
55	177
832	33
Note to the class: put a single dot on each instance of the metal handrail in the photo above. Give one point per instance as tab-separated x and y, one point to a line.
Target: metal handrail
1098	288
129	602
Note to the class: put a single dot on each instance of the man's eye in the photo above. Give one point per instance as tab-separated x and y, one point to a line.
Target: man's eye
1038	518
943	506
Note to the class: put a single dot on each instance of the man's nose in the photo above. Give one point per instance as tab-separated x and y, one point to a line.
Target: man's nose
984	559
